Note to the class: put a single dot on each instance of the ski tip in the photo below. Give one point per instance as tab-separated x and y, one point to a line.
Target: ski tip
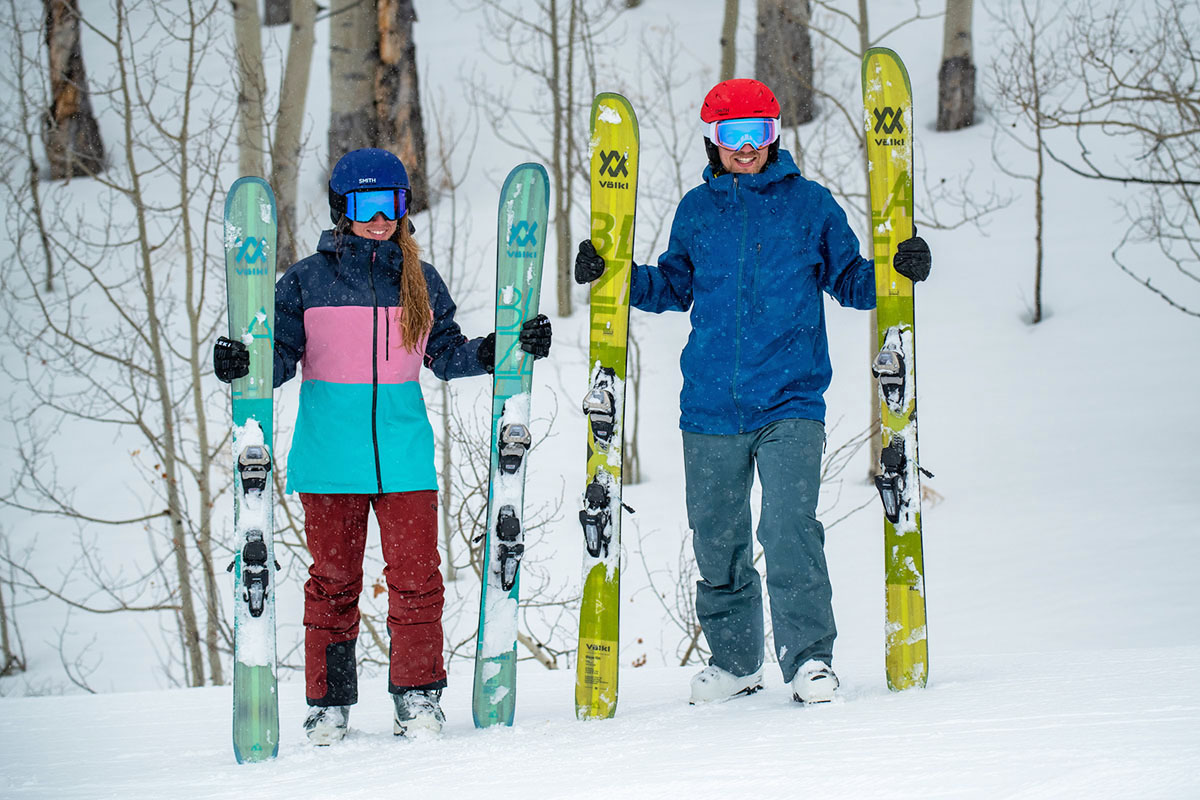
613	108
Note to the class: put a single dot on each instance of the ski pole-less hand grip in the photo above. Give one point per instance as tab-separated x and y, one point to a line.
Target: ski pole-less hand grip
231	360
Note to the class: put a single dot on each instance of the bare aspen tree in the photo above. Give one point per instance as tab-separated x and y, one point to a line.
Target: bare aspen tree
252	88
956	77
12	650
401	128
783	57
447	241
123	344
554	43
729	40
70	133
285	151
1023	75
353	48
1135	121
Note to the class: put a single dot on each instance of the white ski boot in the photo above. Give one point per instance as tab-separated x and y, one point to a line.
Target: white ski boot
815	682
327	724
713	685
418	713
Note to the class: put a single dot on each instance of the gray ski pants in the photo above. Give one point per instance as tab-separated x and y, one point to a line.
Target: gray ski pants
719	471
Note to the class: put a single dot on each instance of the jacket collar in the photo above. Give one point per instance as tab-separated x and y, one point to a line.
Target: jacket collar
782	168
350	250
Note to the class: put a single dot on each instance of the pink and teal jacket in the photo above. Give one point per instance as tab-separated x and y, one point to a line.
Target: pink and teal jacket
362	427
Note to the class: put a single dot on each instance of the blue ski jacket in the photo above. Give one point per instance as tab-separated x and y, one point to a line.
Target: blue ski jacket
750	255
361	427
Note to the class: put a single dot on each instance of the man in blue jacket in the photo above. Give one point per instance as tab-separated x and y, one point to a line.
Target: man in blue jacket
751	251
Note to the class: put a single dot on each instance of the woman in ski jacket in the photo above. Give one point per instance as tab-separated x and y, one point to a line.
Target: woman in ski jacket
359	318
751	251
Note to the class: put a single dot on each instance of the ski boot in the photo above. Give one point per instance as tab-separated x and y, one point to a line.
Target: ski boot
418	713
327	724
714	685
815	682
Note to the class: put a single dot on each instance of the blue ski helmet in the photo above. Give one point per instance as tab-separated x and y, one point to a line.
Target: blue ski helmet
366	168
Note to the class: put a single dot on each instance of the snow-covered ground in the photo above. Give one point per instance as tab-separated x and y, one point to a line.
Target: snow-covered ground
1063	724
1060	545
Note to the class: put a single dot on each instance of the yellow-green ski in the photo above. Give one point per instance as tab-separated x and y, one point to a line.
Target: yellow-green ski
888	117
614	164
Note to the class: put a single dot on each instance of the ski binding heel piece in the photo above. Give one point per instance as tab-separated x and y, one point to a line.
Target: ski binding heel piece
513	442
891	482
511	545
255	575
596	519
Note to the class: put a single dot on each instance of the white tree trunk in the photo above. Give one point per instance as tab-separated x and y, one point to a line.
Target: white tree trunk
285	155
353	48
397	95
252	90
956	78
729	40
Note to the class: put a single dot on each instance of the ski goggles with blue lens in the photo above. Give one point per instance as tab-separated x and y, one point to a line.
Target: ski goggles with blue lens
733	134
362	206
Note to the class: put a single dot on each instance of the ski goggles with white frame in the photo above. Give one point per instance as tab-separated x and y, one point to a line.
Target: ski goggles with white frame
733	134
362	206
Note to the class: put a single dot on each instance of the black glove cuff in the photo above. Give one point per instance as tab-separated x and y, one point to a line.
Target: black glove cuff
487	353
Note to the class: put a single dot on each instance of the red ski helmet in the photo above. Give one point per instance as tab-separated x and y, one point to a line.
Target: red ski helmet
738	98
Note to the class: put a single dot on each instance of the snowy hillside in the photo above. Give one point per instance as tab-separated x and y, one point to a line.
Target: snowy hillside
1061	533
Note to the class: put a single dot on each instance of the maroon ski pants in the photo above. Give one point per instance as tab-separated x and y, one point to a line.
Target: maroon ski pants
336	526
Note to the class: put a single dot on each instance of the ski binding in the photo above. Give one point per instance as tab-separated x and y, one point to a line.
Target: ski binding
600	407
511	540
596	519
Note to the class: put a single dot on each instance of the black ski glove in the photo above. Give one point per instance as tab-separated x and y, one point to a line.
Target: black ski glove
912	259
588	265
487	353
231	360
535	336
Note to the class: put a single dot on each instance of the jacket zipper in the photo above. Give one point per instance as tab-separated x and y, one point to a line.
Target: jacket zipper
375	369
737	344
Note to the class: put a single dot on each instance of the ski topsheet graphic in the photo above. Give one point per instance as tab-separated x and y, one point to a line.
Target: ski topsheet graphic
887	107
614	169
520	246
249	235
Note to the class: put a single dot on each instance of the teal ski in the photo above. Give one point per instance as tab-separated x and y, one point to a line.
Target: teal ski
520	247
249	237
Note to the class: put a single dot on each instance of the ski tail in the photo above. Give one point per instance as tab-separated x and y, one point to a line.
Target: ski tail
614	171
888	120
520	249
